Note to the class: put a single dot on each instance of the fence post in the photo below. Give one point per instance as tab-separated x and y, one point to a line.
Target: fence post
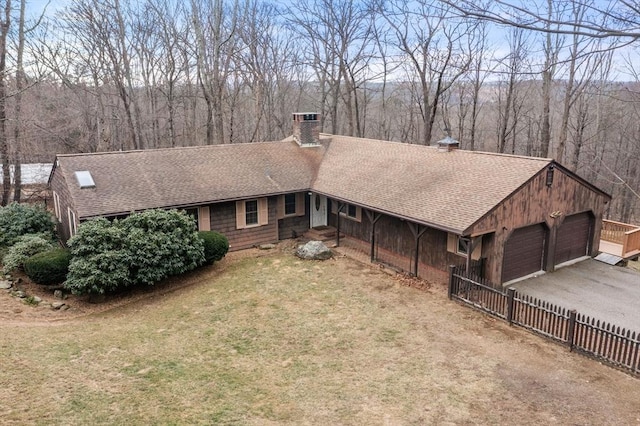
636	343
510	295
572	328
450	289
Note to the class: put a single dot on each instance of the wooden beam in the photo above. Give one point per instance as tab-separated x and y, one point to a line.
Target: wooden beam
417	231
373	218
338	211
472	243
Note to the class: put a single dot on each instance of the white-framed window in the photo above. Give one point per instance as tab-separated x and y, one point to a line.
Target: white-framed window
250	213
73	227
56	204
291	205
458	245
350	211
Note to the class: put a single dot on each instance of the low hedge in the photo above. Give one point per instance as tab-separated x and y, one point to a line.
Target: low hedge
49	267
216	245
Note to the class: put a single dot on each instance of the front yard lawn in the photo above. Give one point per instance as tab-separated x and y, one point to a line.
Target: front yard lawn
277	340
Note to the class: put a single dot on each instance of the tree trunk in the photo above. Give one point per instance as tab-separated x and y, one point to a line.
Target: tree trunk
4	145
19	125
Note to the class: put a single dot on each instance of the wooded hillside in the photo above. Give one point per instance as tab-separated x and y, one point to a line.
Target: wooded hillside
559	79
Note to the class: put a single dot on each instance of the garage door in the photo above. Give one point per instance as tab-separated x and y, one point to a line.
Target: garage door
523	252
572	240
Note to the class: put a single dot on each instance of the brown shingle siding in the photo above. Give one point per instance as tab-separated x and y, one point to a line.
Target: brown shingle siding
223	220
59	185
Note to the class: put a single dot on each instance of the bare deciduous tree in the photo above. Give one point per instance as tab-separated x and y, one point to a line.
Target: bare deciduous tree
5	25
215	28
18	131
433	45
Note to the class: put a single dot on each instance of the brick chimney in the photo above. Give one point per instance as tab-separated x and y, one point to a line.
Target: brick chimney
306	128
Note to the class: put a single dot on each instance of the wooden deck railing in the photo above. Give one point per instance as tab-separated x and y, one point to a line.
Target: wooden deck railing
628	236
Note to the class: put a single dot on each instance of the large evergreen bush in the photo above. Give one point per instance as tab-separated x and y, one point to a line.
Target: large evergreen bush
162	243
99	258
21	219
143	248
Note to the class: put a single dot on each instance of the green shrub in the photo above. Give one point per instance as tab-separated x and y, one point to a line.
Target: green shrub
99	258
21	219
49	267
162	243
216	245
143	248
25	247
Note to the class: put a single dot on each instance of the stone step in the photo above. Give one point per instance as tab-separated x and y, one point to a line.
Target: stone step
324	233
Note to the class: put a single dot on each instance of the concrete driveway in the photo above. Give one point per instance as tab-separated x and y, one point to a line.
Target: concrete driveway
601	291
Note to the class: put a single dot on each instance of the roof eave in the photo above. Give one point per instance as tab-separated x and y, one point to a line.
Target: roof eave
582	180
189	204
393	214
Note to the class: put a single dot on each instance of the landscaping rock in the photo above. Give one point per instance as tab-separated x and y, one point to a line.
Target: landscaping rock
314	250
267	246
19	293
57	305
58	294
5	285
36	299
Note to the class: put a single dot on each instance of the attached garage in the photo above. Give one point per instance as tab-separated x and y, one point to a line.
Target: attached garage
572	240
524	252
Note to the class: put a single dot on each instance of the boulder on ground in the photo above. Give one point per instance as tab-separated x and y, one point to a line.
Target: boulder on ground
314	250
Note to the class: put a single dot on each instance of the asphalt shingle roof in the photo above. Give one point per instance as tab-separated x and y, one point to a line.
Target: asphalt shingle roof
138	180
449	190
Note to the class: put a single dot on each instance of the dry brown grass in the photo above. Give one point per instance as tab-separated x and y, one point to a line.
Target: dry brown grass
275	340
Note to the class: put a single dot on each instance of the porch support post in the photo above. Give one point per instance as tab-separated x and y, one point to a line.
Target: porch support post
472	243
341	207
373	218
417	231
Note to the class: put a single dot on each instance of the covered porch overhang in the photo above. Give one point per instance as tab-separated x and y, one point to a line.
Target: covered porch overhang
417	228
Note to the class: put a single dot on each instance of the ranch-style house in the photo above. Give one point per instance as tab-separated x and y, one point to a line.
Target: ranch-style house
430	206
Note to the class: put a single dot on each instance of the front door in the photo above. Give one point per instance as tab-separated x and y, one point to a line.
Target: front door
318	210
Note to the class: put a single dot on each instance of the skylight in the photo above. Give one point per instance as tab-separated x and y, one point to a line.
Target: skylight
85	179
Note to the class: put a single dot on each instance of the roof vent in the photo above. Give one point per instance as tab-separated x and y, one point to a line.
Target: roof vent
85	180
306	128
448	144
